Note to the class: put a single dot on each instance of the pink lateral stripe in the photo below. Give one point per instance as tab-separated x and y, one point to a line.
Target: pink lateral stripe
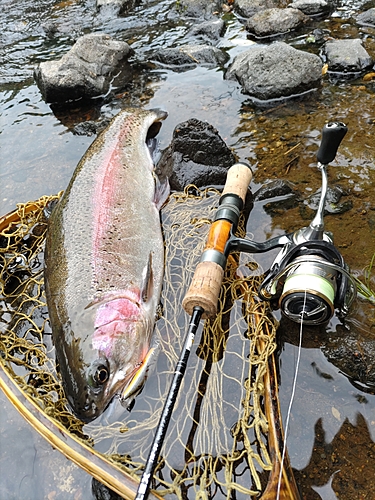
105	189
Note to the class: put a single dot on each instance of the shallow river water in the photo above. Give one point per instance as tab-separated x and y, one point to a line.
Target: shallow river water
331	436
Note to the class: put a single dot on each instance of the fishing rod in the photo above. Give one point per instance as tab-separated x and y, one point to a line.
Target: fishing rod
307	281
202	298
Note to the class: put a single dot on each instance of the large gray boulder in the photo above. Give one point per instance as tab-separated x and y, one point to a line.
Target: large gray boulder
197	155
276	71
347	56
84	72
271	22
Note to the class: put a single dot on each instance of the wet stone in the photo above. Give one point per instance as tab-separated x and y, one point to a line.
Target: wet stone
197	9
84	72
311	7
209	31
276	71
248	8
188	56
272	189
347	56
333	204
366	18
118	6
271	22
197	155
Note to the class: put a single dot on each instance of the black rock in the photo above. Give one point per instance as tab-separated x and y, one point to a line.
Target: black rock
272	189
197	155
333	204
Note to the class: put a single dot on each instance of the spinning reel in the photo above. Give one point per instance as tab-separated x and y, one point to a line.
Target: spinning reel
308	279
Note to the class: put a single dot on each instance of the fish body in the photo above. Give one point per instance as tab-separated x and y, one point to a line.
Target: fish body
104	261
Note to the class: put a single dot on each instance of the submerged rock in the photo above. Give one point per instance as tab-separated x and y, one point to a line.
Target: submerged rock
271	22
84	72
347	56
333	204
188	56
197	155
276	71
275	188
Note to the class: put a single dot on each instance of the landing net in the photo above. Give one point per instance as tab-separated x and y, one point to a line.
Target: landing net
216	445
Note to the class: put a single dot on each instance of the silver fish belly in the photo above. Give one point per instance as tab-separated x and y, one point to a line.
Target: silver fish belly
104	261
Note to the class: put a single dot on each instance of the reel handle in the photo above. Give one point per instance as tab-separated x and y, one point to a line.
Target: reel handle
332	135
206	283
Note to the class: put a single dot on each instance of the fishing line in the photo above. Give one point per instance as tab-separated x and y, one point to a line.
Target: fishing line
292	397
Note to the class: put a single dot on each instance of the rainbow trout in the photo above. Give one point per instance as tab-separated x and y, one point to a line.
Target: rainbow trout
104	261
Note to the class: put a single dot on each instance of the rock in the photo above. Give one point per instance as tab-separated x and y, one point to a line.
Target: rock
197	9
332	206
209	31
276	71
366	18
271	22
84	72
188	56
311	7
346	56
353	357
248	8
197	155
274	189
117	6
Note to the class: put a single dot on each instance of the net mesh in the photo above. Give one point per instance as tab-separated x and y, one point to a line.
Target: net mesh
216	445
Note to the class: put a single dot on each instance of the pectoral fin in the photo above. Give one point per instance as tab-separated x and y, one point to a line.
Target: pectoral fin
147	286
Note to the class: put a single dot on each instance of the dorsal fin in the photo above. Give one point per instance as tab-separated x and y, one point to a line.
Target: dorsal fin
147	286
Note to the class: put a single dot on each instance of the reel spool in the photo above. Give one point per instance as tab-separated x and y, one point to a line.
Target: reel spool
309	283
309	293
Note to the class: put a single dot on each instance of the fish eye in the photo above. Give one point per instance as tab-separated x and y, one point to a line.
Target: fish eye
101	374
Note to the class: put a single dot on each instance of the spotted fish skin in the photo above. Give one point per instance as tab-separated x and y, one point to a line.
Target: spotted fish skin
104	261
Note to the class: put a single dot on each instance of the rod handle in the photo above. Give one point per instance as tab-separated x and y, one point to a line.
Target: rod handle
332	135
204	289
208	277
238	180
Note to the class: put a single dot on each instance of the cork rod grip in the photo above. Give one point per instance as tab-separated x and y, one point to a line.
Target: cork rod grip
238	180
208	277
204	289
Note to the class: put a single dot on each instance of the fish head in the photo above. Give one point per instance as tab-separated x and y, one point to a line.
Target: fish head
101	364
